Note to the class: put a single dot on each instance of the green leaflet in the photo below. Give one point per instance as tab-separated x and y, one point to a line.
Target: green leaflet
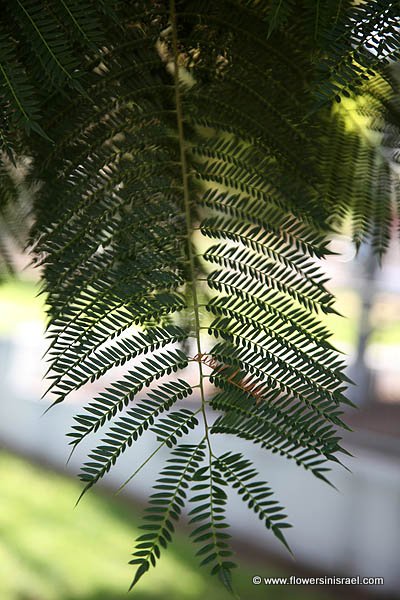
240	473
124	391
133	424
209	522
166	505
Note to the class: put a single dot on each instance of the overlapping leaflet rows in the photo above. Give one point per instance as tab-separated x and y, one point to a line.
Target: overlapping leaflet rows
183	213
118	251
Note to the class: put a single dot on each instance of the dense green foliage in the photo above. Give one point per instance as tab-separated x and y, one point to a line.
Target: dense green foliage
193	157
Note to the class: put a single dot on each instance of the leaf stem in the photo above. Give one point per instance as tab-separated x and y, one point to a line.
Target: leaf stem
186	199
144	463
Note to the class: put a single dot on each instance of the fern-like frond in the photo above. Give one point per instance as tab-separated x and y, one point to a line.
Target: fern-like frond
122	392
156	160
209	521
166	505
196	173
42	33
44	47
240	473
19	106
91	366
366	190
176	424
360	46
133	424
273	428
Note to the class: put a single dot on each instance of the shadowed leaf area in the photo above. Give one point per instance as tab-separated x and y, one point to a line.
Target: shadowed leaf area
186	164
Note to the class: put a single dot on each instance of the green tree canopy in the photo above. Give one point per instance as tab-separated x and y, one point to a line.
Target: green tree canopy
193	158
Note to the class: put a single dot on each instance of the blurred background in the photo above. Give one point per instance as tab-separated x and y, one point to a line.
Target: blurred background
51	550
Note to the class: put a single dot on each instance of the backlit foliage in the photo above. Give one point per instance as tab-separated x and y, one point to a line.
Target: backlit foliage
194	157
